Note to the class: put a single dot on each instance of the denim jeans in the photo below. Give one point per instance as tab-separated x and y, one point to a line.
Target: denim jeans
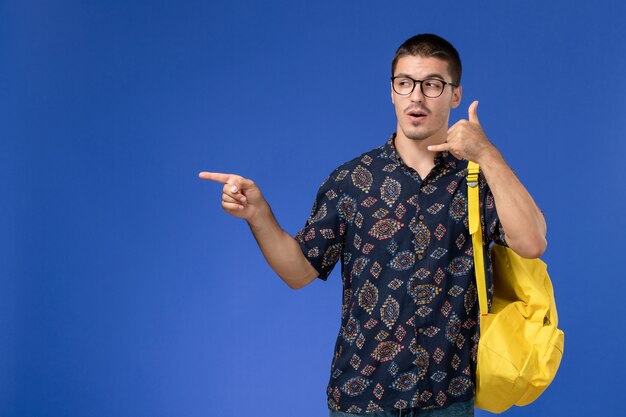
465	409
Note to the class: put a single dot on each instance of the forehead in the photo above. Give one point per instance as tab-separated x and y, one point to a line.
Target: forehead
420	67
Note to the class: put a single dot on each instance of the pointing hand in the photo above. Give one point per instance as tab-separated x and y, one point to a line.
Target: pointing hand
240	196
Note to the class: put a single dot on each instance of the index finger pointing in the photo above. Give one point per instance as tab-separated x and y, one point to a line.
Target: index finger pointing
215	176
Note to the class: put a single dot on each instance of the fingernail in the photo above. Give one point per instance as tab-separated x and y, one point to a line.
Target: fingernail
233	188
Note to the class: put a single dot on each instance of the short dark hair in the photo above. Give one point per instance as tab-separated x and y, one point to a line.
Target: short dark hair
429	45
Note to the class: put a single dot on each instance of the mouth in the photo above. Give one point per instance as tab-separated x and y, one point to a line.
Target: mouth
416	115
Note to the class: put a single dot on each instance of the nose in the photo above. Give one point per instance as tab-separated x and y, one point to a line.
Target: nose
417	95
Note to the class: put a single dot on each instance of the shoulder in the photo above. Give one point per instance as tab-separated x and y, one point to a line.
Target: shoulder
360	166
367	159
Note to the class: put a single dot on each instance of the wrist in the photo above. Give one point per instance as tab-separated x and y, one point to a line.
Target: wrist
261	216
489	158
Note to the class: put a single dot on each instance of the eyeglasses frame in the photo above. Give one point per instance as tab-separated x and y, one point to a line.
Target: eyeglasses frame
420	82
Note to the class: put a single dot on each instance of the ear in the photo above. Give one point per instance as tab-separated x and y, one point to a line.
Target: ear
391	91
457	94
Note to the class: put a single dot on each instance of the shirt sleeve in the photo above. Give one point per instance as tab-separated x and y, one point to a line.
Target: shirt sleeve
322	237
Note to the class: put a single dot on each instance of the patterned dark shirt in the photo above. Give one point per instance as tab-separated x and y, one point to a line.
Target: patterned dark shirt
409	333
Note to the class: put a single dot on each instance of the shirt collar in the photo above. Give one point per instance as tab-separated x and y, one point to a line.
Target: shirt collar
442	159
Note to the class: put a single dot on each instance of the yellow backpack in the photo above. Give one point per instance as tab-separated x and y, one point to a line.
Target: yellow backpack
520	346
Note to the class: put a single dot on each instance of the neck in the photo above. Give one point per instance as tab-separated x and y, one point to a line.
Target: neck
415	154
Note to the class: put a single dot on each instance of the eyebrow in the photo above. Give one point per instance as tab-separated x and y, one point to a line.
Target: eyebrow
433	75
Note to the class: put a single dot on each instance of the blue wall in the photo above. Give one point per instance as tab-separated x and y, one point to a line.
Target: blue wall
124	288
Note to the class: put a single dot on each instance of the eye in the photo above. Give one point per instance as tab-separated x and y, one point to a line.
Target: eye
433	83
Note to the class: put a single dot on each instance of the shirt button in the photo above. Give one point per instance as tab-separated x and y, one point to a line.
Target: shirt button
420	256
421	217
420	330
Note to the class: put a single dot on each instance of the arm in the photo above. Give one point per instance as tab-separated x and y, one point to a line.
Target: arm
243	199
524	224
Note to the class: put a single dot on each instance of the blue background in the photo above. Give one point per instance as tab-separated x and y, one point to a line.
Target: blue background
125	290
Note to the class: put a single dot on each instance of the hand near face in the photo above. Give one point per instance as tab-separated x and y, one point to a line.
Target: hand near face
240	196
466	139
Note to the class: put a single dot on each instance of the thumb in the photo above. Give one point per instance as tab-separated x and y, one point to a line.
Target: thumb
472	113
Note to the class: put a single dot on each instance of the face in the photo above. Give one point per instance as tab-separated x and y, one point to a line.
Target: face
420	117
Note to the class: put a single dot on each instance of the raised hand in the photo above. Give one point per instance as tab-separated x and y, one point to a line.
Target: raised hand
466	139
240	196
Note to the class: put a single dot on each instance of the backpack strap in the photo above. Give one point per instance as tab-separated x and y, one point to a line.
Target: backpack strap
475	229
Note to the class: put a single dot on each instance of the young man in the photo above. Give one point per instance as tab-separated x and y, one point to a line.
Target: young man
396	218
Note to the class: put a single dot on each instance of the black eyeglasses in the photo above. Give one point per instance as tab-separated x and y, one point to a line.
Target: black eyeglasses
431	87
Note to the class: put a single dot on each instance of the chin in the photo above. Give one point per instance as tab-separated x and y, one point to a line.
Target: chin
416	137
412	135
